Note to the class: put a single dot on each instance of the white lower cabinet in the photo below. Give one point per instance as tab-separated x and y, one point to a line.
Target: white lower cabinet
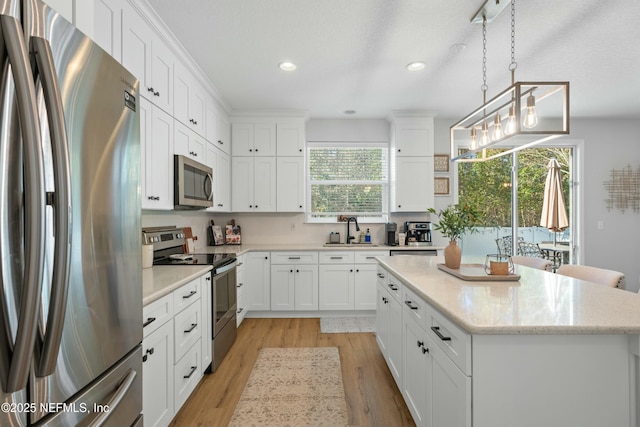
388	322
240	291
348	280
294	287
428	356
173	351
418	373
157	376
257	274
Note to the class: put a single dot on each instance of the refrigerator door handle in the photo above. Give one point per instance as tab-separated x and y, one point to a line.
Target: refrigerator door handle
61	206
34	201
122	389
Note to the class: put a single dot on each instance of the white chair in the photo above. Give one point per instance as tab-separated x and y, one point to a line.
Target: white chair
539	263
611	278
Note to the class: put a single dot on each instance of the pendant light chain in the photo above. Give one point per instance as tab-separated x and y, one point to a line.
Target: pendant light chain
513	65
484	86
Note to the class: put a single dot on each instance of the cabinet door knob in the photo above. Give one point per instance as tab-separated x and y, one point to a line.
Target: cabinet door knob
425	350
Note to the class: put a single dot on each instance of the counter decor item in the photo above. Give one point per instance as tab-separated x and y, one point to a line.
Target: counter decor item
454	221
232	235
478	273
498	265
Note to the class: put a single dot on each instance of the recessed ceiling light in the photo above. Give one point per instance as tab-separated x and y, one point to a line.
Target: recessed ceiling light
349	111
287	66
415	66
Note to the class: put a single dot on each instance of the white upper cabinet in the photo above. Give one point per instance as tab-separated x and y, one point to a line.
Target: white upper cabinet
223	130
220	162
290	138
254	139
290	184
188	143
149	59
189	99
413	190
107	25
412	136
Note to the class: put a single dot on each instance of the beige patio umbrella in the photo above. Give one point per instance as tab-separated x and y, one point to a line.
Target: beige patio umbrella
554	210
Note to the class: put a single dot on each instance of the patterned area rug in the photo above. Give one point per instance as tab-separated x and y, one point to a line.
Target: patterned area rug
293	387
336	325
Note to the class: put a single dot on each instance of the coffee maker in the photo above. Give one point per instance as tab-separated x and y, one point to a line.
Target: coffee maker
390	229
418	233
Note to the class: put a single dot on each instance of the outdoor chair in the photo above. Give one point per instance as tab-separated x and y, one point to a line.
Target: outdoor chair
504	245
529	249
611	278
539	263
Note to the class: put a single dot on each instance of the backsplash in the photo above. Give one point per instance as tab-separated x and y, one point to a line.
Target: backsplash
259	228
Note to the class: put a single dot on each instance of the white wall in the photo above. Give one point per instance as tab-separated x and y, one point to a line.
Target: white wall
608	144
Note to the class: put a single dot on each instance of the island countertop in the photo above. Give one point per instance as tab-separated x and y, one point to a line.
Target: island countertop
539	303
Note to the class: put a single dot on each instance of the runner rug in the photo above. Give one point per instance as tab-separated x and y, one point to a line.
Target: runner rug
293	387
333	325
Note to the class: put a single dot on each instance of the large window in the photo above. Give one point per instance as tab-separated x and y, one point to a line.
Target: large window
347	179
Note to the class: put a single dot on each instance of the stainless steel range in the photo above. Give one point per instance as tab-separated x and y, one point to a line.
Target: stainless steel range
169	249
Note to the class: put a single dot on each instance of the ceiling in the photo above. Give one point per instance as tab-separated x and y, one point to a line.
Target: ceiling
351	54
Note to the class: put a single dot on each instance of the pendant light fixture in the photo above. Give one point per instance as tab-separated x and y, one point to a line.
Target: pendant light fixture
535	111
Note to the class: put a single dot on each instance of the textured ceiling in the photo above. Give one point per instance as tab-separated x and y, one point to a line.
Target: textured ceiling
351	54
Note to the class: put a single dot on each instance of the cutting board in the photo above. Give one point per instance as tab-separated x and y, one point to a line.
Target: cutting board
189	241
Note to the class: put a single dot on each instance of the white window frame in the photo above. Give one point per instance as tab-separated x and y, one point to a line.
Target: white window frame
383	218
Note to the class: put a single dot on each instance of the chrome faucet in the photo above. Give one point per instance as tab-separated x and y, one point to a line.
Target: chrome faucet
349	237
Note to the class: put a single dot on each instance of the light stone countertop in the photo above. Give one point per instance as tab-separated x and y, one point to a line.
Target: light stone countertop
539	303
161	280
242	249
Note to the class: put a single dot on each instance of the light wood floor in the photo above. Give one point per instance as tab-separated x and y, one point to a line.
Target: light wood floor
373	398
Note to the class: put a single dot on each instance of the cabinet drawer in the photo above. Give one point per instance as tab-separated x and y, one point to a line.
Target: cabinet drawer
413	305
186	295
367	257
337	257
453	341
393	285
157	314
294	257
187	329
188	372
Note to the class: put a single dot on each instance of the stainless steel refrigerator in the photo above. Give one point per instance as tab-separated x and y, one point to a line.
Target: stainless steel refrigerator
70	241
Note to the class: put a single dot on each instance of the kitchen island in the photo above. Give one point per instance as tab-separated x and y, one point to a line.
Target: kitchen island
545	350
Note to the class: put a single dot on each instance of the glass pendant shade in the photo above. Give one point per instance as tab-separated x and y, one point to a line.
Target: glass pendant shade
497	128
550	106
531	118
474	139
512	121
484	135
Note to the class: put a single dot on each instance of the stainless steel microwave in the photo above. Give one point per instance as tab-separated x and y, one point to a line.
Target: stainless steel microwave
193	184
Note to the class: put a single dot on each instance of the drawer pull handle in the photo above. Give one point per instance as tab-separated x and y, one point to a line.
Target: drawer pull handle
193	326
370	257
336	257
149	321
193	369
380	275
239	264
436	330
192	293
294	257
411	306
393	287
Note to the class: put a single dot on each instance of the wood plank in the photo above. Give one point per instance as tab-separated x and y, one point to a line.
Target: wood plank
373	399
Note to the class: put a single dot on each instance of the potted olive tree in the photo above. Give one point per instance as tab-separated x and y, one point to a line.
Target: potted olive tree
454	221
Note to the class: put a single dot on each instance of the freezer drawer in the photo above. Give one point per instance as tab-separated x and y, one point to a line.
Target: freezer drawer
116	396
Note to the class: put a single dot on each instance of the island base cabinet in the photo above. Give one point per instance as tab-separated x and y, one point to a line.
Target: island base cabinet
553	380
388	322
417	383
451	391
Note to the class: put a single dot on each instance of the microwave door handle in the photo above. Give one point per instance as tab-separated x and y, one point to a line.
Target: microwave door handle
208	192
34	201
61	206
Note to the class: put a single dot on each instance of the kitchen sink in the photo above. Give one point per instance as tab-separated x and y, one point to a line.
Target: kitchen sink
351	245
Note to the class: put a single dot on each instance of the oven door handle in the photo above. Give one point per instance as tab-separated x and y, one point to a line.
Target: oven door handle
225	268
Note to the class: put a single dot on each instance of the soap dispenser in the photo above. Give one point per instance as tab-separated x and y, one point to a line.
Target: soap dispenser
367	237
